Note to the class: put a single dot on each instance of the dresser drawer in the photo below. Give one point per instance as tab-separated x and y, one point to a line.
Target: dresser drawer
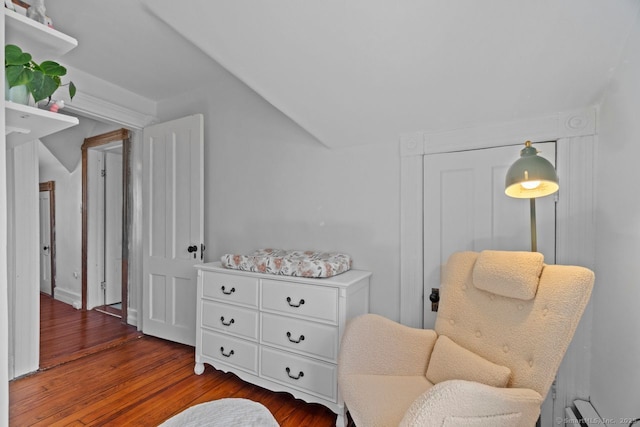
314	339
313	302
230	319
234	351
230	288
299	372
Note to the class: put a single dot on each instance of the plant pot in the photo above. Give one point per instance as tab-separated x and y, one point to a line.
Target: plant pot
17	94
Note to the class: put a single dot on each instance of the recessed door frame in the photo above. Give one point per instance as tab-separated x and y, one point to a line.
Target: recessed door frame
94	142
50	186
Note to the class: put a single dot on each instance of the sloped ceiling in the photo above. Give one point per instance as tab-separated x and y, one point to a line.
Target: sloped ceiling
354	72
65	146
366	71
121	42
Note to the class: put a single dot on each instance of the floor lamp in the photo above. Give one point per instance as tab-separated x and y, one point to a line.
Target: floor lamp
529	177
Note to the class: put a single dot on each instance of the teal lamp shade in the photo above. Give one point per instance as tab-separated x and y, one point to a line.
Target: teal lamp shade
531	176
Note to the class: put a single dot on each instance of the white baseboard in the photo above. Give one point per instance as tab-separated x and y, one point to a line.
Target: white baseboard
75	299
68	297
132	317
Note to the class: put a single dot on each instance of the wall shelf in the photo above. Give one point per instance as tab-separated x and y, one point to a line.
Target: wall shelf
42	42
25	123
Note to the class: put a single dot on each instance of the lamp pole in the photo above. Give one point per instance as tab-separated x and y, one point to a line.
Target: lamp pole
534	234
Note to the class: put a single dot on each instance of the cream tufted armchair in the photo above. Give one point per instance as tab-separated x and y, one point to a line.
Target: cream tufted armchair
504	323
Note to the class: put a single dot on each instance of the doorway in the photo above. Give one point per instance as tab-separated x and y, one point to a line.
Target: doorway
48	237
105	222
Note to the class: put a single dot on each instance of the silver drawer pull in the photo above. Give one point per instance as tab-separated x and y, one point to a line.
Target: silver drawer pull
294	305
294	341
224	291
300	375
227	354
229	323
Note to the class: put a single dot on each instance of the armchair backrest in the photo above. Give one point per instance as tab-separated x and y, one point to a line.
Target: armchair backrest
513	310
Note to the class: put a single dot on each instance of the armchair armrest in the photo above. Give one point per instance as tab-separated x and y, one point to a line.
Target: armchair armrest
374	345
463	403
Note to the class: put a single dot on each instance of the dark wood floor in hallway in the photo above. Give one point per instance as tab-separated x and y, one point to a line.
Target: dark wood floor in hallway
67	334
134	380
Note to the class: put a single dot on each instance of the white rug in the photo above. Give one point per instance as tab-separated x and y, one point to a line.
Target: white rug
224	413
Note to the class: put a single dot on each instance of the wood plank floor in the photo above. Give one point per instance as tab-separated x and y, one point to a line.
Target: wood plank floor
67	334
139	381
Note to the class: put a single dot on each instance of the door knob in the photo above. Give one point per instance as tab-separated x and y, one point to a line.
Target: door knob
192	248
434	298
45	248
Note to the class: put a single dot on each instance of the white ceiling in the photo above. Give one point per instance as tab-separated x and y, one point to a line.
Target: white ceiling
361	71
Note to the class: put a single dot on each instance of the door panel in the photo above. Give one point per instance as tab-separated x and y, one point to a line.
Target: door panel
45	243
173	222
465	208
113	231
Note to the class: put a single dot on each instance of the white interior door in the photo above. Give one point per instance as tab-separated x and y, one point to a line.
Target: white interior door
95	229
173	224
113	228
465	208
45	243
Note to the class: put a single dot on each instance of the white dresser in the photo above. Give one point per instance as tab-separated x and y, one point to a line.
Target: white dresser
278	332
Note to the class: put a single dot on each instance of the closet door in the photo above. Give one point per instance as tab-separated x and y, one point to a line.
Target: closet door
465	209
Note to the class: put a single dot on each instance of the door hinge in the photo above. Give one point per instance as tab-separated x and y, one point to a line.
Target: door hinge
202	248
103	285
103	173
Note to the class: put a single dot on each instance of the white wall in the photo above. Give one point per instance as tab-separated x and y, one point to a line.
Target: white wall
68	223
615	377
268	183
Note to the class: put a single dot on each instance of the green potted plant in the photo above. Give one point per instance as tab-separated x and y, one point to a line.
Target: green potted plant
40	80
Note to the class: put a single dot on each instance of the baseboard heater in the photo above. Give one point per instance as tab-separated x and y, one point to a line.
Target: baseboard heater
585	415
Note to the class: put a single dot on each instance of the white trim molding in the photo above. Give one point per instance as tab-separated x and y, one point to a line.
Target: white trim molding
132	317
411	213
99	109
69	297
538	129
575	245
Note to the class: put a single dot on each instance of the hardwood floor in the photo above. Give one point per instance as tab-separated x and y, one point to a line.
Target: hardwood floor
67	334
135	381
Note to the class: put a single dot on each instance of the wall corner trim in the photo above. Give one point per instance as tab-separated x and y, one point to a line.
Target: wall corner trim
577	122
412	144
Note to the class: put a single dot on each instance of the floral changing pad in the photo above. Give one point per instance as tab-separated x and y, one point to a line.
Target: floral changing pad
290	263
